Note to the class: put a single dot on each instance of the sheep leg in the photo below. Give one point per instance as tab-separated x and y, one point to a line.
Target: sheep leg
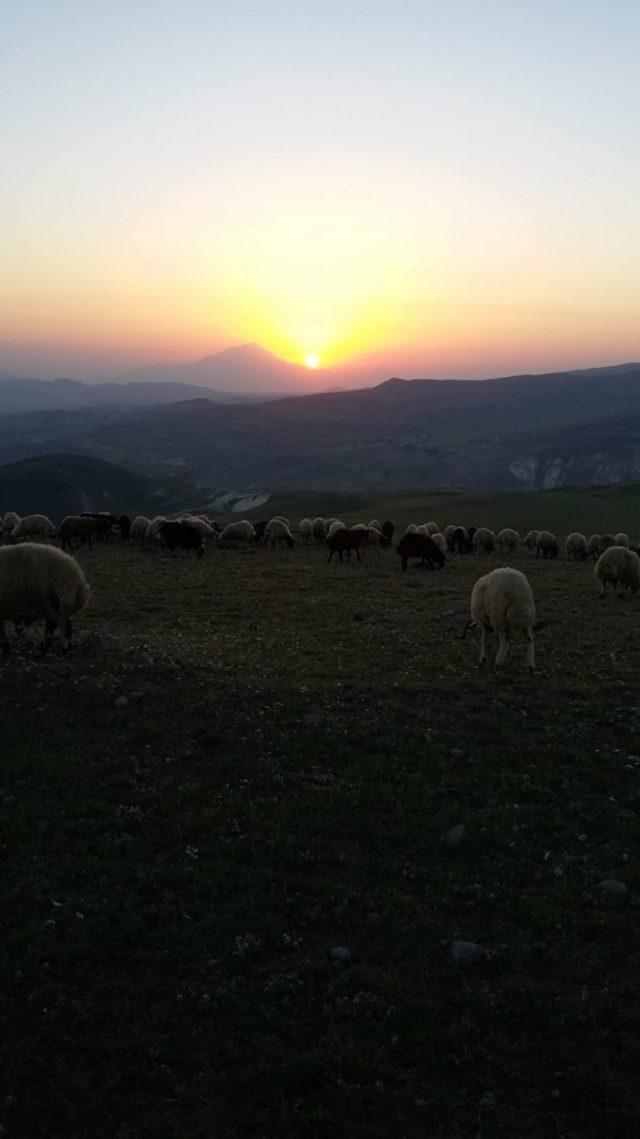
4	640
483	644
49	629
67	635
503	648
358	553
331	553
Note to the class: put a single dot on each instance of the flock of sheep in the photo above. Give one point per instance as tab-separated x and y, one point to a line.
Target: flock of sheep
39	581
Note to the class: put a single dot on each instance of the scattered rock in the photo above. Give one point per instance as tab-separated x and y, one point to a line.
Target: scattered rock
456	835
467	952
457	753
121	702
488	1101
612	891
341	954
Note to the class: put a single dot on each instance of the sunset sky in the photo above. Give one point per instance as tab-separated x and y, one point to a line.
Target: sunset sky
440	188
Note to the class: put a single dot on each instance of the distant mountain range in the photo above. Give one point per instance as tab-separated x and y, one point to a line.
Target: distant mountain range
521	432
247	372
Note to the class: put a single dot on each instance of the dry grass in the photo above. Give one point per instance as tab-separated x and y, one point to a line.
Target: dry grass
298	739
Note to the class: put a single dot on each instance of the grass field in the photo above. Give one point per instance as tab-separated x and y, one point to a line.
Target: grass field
252	761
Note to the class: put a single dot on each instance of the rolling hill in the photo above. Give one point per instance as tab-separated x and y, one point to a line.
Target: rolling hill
517	433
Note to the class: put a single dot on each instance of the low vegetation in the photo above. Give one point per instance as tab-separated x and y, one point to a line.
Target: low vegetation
245	822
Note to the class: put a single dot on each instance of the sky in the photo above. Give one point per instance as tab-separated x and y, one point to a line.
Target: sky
429	188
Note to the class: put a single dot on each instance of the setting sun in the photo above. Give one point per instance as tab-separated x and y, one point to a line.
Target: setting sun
312	361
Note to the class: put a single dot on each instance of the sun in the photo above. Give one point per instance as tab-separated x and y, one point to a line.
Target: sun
312	361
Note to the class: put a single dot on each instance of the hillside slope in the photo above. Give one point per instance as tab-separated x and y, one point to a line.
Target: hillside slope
524	432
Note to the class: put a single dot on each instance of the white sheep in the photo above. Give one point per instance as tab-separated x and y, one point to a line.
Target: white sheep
593	545
306	530
375	536
502	602
622	540
411	528
507	541
9	522
196	523
153	529
277	533
432	528
38	582
139	528
440	541
34	526
576	547
238	532
376	525
320	529
281	518
618	567
484	540
336	525
423	530
449	531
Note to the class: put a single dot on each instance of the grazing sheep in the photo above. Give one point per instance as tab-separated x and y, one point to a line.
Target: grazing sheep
531	540
546	544
238	532
422	530
508	541
376	525
606	541
9	522
440	541
202	528
153	529
329	523
104	522
139	528
387	533
459	540
278	533
34	526
617	566
411	528
432	528
471	533
502	603
484	540
576	547
320	529
375	537
183	535
40	582
593	545
124	525
74	526
306	530
344	541
449	531
420	546
334	527
622	540
281	518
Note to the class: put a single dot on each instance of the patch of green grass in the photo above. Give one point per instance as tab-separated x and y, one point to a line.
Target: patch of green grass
298	740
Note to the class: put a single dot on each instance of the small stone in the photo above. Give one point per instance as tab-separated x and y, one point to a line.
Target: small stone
121	702
467	952
612	891
457	753
341	954
456	835
488	1101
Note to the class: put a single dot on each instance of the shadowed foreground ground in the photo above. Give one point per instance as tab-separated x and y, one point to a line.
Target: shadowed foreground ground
296	742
